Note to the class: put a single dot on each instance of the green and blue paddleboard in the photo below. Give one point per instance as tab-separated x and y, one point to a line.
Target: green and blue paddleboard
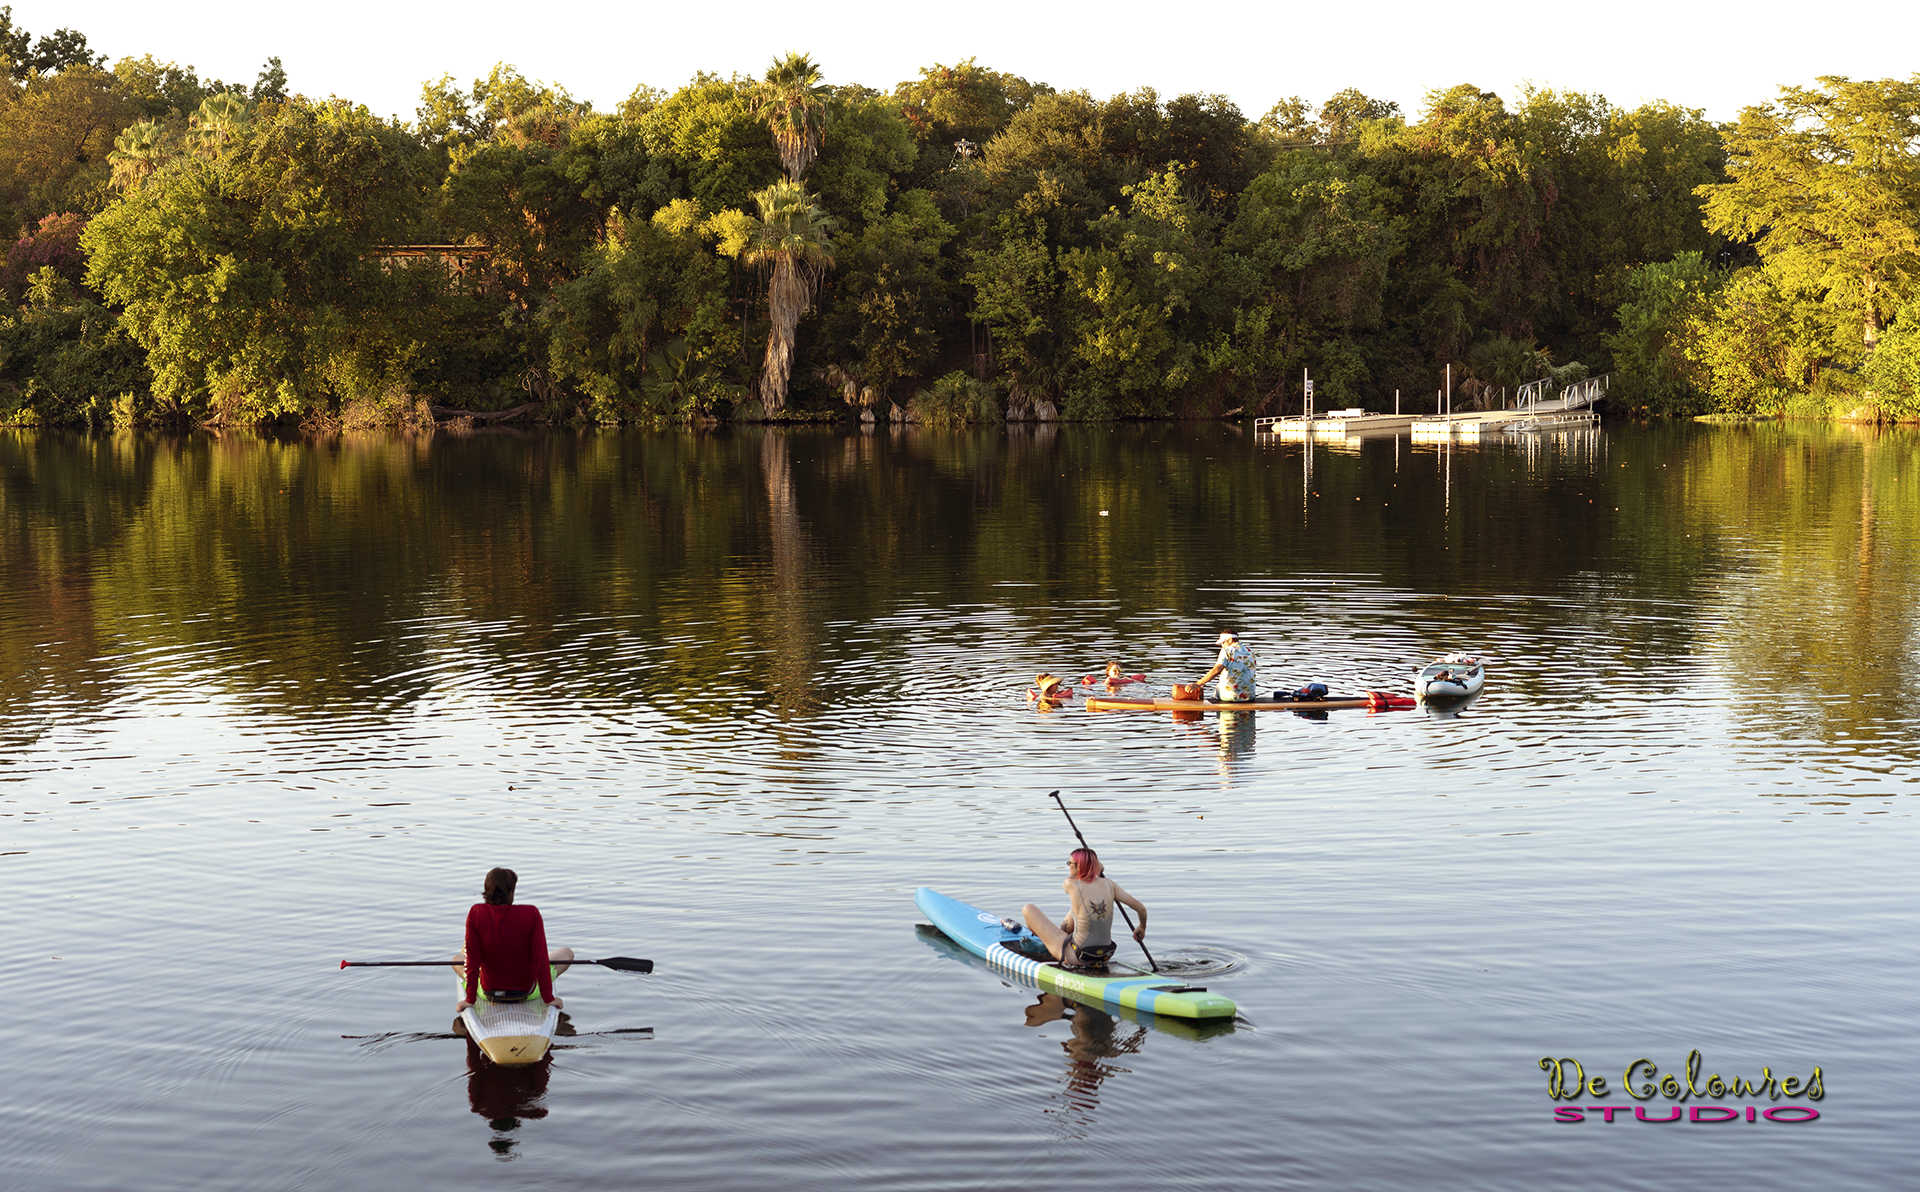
1008	946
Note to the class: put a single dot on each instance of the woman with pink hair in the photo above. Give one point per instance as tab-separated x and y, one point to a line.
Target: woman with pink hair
1084	939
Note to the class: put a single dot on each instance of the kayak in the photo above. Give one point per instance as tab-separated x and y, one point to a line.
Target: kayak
511	1032
1377	700
1456	676
1008	946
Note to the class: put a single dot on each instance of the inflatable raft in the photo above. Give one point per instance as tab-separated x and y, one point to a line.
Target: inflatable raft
1455	677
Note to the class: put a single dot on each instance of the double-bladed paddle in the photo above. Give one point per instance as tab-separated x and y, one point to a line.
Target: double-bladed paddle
624	964
1151	963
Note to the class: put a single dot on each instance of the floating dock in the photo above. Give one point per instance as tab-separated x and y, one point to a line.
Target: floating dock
1334	424
1571	410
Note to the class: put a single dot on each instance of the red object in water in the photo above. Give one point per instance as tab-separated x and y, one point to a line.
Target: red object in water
1383	699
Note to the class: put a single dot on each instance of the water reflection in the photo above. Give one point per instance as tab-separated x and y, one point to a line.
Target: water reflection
1230	736
1097	1035
506	1096
1096	1039
343	587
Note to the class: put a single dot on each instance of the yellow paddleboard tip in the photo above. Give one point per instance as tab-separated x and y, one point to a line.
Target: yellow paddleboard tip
515	1049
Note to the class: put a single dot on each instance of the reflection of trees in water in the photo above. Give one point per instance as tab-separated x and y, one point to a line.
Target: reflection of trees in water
1822	623
692	572
794	620
1096	1038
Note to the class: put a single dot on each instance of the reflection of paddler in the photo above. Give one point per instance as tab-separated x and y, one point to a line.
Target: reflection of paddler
1095	1038
1236	735
506	1094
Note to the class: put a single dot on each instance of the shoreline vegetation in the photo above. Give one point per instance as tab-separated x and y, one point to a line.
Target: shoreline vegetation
965	247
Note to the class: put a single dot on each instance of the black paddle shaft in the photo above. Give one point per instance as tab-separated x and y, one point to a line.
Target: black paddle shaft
1151	963
624	964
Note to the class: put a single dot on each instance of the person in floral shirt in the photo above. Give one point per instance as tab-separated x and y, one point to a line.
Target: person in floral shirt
1234	669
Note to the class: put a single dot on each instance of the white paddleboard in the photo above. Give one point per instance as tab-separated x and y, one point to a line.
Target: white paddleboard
510	1032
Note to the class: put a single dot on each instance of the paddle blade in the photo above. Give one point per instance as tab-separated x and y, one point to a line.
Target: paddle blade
626	964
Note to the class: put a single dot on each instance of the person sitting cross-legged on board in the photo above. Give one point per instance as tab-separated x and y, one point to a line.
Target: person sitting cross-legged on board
506	952
1085	937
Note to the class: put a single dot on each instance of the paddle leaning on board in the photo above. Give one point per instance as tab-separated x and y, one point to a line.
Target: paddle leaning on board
1072	957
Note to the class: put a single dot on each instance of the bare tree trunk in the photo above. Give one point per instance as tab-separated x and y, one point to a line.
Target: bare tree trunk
786	302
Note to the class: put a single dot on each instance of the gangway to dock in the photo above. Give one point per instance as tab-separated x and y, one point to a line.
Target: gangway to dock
1531	413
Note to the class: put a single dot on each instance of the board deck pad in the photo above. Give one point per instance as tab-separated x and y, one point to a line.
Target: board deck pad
511	1033
982	933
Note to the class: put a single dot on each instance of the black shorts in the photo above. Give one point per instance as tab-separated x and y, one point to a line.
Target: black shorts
1096	957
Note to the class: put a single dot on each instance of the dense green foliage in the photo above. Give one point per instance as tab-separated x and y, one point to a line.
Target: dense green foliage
1825	185
786	244
251	276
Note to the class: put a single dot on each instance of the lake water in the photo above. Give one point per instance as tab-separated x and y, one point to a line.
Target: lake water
725	701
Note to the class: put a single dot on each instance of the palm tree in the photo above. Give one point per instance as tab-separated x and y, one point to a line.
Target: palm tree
221	120
850	378
792	242
137	152
1505	363
793	102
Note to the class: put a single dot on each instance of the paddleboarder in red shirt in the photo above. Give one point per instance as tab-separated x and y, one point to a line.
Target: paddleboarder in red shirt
507	945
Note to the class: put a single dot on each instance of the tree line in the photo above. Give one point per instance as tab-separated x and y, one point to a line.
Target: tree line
966	246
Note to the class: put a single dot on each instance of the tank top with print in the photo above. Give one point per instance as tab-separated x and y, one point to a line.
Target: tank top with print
1093	921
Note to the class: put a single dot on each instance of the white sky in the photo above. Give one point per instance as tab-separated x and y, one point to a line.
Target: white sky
1718	57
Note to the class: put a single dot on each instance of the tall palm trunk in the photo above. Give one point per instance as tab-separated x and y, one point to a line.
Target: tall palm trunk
791	243
787	300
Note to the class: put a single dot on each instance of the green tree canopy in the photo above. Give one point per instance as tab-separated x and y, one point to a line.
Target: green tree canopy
54	140
252	279
1827	184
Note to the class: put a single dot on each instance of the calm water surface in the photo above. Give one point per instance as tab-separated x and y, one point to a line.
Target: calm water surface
725	701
